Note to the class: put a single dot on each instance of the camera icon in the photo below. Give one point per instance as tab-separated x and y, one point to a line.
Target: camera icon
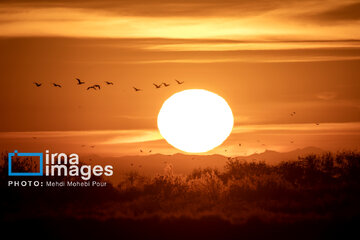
15	153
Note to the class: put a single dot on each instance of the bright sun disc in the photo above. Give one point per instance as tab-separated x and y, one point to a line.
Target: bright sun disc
195	120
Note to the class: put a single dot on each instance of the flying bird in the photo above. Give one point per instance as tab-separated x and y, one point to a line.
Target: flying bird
157	86
179	82
166	84
37	84
93	87
136	89
109	83
97	86
79	81
56	85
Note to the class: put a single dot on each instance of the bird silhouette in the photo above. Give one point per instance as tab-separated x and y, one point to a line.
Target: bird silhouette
136	89
91	87
97	86
166	84
109	83
56	85
79	81
37	84
157	86
179	82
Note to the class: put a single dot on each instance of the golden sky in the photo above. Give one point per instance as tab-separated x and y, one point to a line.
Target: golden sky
266	58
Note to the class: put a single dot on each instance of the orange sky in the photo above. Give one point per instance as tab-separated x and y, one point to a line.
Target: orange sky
266	58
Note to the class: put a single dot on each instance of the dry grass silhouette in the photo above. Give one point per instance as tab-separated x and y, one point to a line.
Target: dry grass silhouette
313	188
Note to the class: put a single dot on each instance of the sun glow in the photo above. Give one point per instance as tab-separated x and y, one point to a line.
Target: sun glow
195	120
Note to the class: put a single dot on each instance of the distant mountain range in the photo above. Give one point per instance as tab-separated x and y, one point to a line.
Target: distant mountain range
273	157
184	163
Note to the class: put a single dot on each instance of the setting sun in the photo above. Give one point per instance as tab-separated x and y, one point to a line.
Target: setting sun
195	120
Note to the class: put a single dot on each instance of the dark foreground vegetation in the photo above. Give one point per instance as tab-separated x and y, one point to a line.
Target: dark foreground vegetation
316	197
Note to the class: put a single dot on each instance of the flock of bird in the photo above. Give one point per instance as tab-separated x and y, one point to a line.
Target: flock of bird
160	85
98	87
157	86
292	114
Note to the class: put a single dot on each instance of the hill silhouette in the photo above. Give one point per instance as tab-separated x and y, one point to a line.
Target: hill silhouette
180	163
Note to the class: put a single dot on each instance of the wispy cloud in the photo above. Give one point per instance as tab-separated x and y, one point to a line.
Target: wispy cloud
95	136
301	128
177	19
161	8
326	95
344	12
134	136
253	138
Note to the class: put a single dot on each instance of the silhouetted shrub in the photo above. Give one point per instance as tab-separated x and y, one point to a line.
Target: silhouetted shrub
314	186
